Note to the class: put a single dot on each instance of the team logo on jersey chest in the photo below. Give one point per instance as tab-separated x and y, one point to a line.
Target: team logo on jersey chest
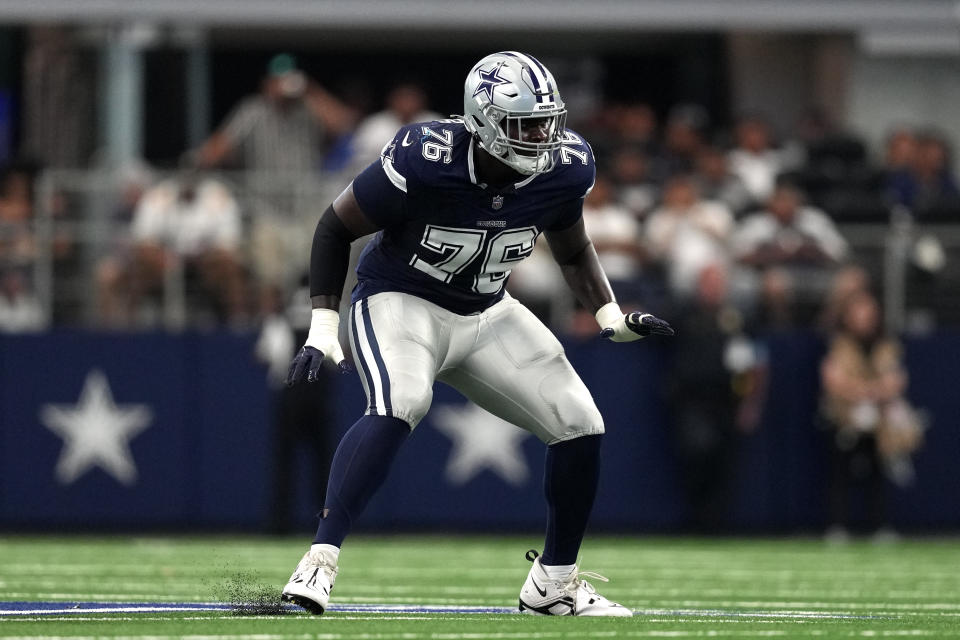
492	223
497	203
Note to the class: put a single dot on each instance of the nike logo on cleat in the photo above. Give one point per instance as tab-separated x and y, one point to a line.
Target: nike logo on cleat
541	591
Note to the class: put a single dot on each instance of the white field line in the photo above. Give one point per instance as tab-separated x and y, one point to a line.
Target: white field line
712	633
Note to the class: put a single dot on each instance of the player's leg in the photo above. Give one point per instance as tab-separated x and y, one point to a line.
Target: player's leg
397	375
518	371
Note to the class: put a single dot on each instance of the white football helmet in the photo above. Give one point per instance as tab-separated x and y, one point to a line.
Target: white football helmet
512	107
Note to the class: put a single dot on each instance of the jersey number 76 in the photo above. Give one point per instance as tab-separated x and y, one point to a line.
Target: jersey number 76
458	249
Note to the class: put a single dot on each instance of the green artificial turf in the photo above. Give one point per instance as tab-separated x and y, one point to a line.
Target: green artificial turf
740	588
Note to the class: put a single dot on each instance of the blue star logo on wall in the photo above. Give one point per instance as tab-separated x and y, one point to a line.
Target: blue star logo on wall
488	81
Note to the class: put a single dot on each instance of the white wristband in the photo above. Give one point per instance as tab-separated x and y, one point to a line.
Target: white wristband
608	315
323	324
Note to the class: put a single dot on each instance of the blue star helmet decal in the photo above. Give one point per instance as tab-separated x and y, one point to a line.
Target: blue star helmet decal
489	80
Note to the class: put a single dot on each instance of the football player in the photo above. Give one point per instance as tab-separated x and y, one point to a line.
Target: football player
456	204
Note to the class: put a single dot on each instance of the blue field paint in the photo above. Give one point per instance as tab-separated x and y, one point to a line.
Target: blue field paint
62	608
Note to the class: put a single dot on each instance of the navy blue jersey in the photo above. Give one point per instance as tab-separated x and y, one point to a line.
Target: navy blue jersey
445	236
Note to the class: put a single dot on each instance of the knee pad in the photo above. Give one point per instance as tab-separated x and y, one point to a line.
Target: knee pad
572	407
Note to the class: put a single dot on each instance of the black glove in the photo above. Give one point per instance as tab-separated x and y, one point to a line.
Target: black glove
309	360
645	324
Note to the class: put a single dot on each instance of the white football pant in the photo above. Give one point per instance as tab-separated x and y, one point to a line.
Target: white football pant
503	359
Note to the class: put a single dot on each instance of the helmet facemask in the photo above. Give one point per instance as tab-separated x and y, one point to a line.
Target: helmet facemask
528	143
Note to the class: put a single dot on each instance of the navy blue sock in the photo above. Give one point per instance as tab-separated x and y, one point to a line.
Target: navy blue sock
570	483
359	467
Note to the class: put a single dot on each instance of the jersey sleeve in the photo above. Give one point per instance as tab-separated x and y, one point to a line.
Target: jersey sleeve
579	172
383	187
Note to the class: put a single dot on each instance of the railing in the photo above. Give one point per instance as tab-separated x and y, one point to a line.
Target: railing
80	208
916	266
82	219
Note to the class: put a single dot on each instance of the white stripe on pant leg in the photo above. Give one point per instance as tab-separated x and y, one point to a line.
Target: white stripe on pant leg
369	361
358	357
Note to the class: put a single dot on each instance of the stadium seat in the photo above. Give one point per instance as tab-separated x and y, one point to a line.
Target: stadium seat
856	206
939	212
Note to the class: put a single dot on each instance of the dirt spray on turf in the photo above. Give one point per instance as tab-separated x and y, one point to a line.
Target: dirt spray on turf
248	595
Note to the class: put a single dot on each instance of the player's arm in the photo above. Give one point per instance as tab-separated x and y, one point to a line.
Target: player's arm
577	257
230	135
214	151
336	116
342	223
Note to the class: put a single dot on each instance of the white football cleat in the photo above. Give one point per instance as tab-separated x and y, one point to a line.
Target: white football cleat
312	581
571	596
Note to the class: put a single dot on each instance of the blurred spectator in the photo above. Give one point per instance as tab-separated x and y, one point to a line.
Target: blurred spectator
22	246
717	386
17	242
133	179
927	178
819	141
20	310
686	234
814	126
283	128
188	221
714	181
900	151
872	427
280	135
59	92
848	280
302	413
683	138
793	248
616	236
754	158
406	103
637	126
635	187
618	126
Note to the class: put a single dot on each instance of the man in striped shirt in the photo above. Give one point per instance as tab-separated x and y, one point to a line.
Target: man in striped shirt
278	136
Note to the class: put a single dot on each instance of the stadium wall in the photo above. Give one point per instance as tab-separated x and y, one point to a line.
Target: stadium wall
161	431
